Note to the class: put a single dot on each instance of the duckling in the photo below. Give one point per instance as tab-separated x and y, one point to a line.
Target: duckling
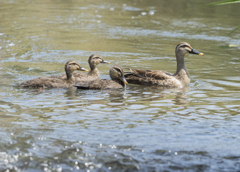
162	78
118	81
42	82
93	74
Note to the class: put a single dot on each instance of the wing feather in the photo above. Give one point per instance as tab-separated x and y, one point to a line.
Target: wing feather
149	75
45	83
99	85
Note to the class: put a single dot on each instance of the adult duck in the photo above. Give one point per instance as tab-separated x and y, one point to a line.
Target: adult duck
162	78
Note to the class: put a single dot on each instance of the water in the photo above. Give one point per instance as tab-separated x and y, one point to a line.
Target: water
142	128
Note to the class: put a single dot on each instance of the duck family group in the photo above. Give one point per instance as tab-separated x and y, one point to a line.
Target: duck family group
91	80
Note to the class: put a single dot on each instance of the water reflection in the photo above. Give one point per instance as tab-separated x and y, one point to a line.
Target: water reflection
117	96
71	93
154	95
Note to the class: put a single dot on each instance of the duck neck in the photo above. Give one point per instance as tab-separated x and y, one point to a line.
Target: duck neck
70	76
181	64
94	70
120	82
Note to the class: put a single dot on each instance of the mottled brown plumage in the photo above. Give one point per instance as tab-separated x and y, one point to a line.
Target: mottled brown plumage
162	78
44	82
93	74
118	81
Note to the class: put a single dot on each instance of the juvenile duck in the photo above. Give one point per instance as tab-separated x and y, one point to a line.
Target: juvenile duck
161	78
118	81
42	82
93	74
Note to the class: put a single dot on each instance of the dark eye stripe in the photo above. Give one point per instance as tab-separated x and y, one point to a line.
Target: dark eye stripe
182	45
119	71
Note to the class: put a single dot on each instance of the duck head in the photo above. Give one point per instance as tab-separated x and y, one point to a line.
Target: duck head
184	48
116	73
95	59
72	66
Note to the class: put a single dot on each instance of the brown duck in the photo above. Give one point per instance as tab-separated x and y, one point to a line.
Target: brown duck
161	78
93	74
48	82
118	81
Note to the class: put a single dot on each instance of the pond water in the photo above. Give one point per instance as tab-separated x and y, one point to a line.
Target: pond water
142	128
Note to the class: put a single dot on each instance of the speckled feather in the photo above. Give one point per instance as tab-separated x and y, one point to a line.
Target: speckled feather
47	83
102	84
156	77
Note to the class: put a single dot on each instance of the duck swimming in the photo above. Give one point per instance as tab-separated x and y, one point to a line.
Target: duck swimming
162	78
93	74
118	81
48	82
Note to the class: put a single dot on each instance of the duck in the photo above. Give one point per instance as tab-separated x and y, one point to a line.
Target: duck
48	82
93	74
118	81
161	78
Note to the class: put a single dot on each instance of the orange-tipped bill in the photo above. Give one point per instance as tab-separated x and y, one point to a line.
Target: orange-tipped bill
123	80
196	52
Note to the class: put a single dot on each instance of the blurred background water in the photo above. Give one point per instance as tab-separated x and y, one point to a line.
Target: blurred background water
142	128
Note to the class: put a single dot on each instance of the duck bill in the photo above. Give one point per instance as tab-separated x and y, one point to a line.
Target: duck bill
104	61
82	69
123	80
195	52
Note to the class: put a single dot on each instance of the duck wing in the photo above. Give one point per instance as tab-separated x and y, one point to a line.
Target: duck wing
44	83
83	77
64	76
151	77
79	77
102	84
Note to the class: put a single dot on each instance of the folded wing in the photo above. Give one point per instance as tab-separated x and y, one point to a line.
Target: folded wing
149	77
